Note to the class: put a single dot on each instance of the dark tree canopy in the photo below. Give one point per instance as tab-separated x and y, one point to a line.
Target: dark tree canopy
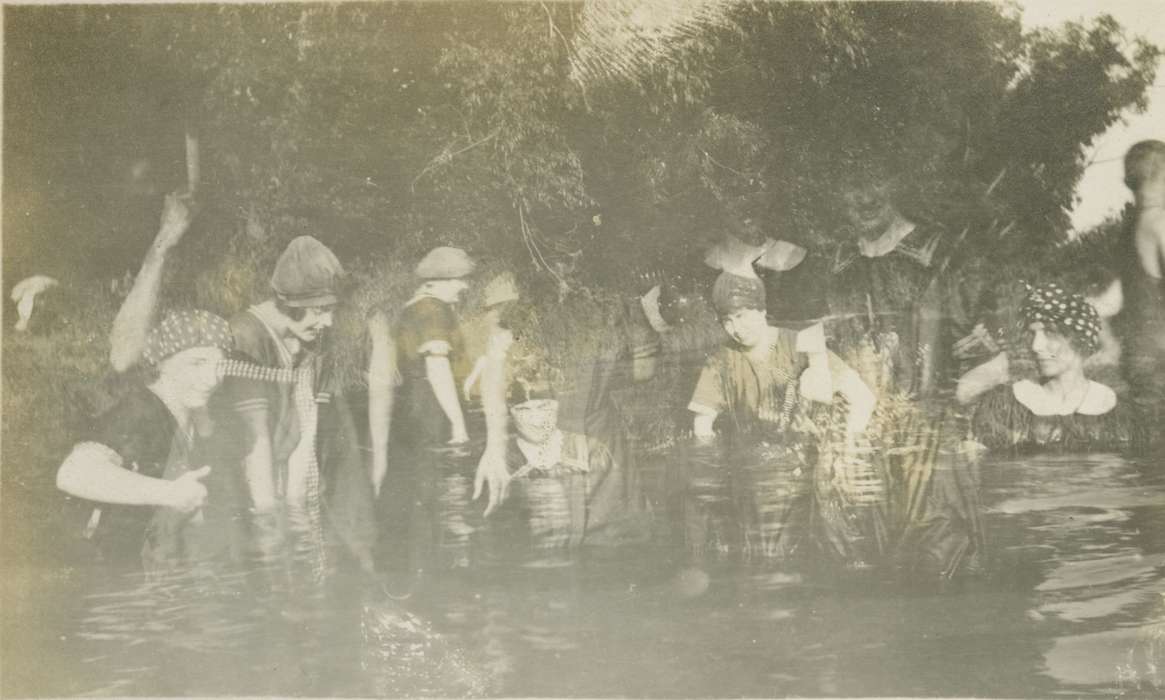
388	128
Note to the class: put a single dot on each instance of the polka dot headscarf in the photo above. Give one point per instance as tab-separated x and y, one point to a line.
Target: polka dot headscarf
182	330
1071	314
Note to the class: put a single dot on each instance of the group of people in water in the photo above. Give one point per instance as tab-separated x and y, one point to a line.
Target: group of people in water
822	421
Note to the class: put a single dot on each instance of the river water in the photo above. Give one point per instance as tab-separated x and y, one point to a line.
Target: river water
1068	601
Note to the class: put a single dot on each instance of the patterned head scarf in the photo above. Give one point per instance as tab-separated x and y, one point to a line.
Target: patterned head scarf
1069	313
731	293
182	330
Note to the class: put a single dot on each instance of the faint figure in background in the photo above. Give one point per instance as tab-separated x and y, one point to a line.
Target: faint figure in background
1143	284
429	438
24	296
885	300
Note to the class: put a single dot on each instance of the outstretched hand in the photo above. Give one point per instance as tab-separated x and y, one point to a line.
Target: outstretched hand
492	474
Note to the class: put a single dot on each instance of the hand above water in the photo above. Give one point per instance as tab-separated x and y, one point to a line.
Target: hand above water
186	493
492	474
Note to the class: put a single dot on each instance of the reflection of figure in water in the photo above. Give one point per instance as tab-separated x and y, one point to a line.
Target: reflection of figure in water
752	385
1143	283
1065	408
145	452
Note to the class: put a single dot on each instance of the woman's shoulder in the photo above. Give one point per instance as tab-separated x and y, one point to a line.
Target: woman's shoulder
139	424
1004	396
1100	400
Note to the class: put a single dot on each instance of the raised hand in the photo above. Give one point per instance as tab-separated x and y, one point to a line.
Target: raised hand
178	212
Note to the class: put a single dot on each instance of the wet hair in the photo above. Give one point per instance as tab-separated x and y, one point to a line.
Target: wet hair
1144	161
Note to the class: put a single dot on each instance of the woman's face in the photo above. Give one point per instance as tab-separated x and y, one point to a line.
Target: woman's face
747	327
316	320
868	209
1054	353
536	420
193	373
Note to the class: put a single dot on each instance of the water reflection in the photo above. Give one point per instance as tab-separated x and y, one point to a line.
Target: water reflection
1093	526
1070	600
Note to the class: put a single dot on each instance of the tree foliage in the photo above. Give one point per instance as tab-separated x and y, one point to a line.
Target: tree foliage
388	128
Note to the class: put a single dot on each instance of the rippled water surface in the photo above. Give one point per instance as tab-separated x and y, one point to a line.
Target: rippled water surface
1069	601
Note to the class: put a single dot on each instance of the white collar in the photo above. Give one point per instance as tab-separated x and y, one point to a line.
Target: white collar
734	255
650	304
898	229
1098	400
781	256
423	293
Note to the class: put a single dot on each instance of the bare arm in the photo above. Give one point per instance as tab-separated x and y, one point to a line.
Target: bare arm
982	379
94	472
381	384
257	467
929	336
491	469
861	401
643	367
136	315
1150	241
645	343
440	375
702	425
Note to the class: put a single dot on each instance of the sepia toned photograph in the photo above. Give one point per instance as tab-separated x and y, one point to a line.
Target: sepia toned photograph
607	349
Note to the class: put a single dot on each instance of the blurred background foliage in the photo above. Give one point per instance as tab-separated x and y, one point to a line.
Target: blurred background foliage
385	129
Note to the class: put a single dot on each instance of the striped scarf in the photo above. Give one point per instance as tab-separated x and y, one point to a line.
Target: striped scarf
307	409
